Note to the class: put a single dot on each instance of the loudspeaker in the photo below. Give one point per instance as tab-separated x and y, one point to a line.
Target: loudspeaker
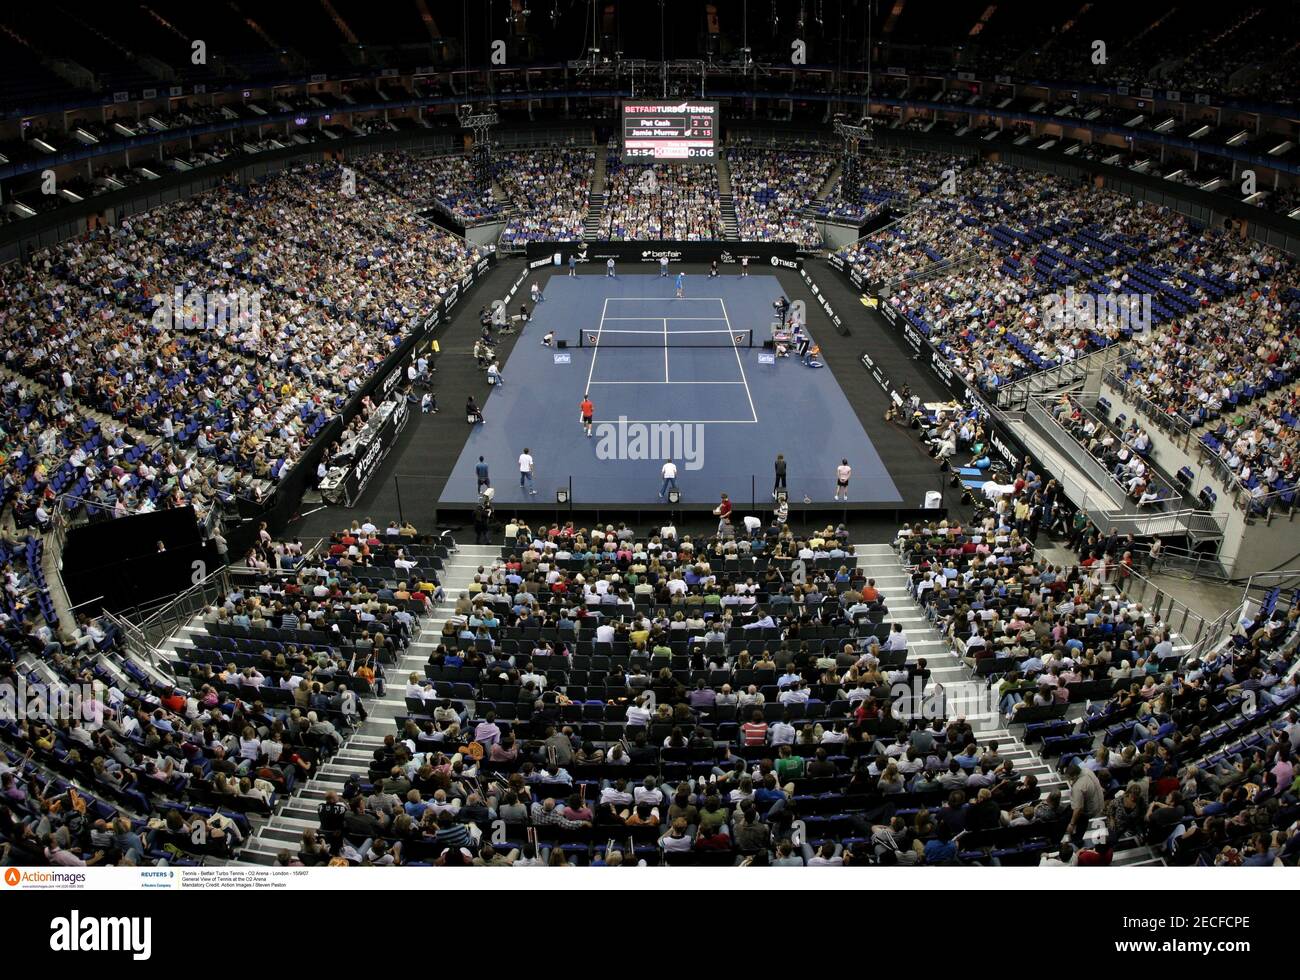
562	344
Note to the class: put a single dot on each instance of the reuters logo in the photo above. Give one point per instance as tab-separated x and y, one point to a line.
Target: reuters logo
12	877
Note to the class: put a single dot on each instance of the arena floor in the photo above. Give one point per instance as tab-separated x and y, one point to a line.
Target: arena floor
663	390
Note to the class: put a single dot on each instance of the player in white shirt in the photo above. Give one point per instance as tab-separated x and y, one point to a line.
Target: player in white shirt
526	471
669	473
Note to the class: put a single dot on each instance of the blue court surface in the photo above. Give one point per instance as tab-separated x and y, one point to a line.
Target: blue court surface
668	379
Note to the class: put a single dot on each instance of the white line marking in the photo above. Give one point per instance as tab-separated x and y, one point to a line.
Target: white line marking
674	333
595	352
668	382
665	349
710	319
740	364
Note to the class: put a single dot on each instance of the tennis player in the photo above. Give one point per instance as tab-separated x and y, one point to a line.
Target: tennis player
588	410
681	284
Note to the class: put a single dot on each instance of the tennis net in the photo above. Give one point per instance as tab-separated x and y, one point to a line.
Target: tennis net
673	338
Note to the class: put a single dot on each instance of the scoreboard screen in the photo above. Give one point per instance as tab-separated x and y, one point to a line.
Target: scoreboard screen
656	132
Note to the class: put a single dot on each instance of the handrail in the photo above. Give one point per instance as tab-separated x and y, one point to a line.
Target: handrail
1041	382
1041	403
166	619
1069	446
1242	497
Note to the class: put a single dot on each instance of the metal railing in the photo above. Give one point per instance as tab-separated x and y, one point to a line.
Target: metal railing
1102	508
155	624
137	643
1173	614
1039	410
1069	374
1175	426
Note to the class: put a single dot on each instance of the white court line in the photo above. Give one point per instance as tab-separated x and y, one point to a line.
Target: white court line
675	333
664	299
740	364
668	382
688	421
599	328
710	319
665	349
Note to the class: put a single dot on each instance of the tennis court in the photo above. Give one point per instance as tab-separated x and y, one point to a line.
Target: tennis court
682	378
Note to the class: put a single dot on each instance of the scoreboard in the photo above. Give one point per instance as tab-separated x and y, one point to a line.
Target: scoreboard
656	131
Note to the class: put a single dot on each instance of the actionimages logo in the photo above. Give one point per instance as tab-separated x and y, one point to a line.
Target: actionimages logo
12	877
102	934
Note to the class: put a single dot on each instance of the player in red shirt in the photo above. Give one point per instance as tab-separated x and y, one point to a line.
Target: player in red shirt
588	410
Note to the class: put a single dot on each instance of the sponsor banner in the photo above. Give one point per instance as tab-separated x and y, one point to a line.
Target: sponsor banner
855	277
373	446
939	364
563	357
735	258
482	266
390	382
1011	455
912	336
869	363
836	261
724	253
449	301
891	314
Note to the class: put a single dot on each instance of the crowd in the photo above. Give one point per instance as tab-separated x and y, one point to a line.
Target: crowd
618	698
889	179
166	766
672	201
1231	370
977	272
772	188
192	352
1191	754
549	189
445	180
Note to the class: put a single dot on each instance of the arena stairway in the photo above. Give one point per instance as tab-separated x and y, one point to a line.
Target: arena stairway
882	563
298	812
592	225
831	182
946	666
730	226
